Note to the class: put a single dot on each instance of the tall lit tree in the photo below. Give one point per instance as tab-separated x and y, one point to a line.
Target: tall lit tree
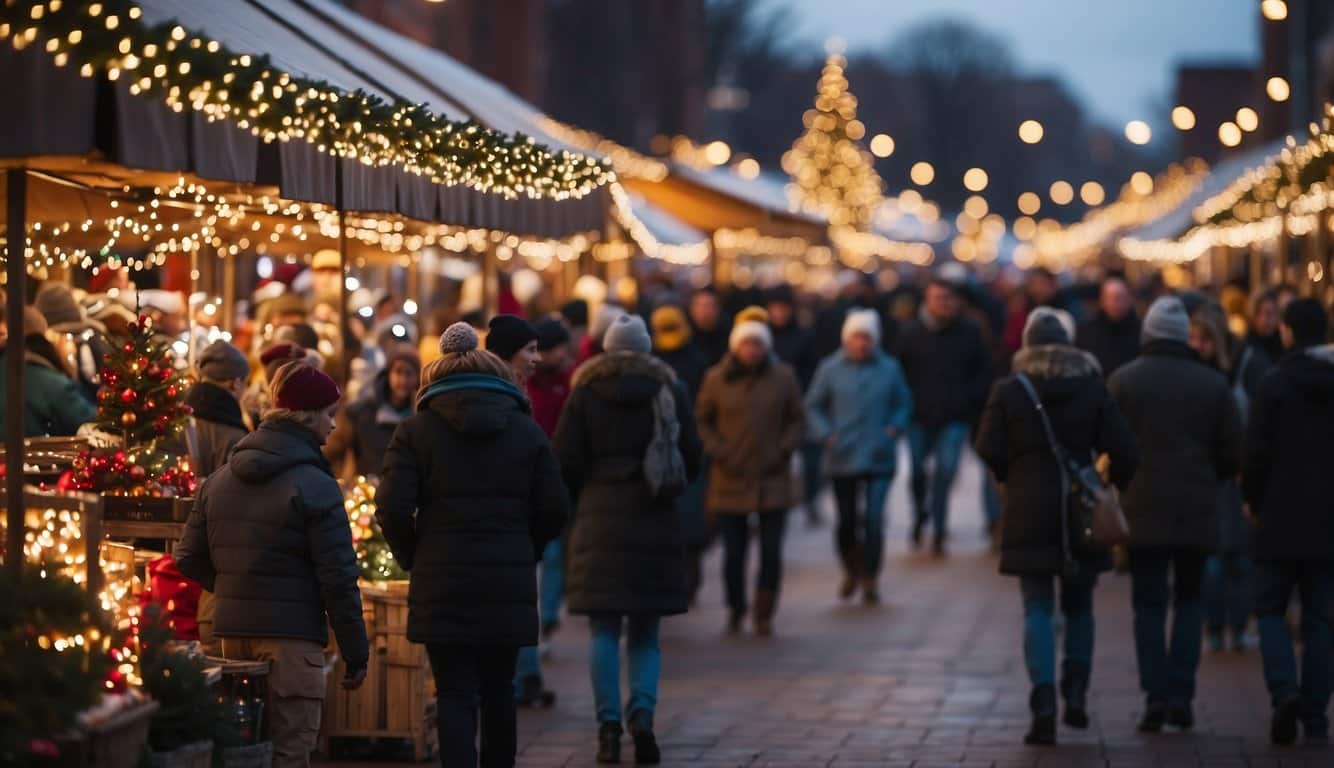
832	173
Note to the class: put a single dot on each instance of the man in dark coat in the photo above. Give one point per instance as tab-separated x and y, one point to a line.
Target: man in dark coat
366	426
1112	335
949	371
1034	541
270	538
471	495
626	553
1289	442
1189	430
710	328
215	400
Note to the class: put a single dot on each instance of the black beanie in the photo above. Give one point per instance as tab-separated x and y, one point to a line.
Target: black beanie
575	313
551	333
508	334
1308	320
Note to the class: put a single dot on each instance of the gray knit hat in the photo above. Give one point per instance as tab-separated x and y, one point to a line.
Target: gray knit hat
56	303
628	334
221	361
1046	325
458	338
1166	320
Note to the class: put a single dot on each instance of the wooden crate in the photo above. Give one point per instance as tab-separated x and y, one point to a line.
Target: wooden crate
397	700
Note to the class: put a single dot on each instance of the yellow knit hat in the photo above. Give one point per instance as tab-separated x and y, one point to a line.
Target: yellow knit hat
752	314
671	331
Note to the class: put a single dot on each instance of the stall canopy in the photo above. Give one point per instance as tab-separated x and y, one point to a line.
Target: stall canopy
101	128
716	199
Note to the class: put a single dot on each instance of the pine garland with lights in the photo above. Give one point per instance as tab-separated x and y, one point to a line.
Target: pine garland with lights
374	559
832	173
189	72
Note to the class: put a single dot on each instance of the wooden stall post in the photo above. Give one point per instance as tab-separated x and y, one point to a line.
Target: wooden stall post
344	365
16	268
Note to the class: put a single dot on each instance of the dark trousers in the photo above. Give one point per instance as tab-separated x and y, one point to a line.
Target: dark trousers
1167	668
736	542
1313	581
860	537
466	677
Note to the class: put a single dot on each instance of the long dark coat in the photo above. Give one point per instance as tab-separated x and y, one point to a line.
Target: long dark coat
1188	428
626	547
470	495
1012	442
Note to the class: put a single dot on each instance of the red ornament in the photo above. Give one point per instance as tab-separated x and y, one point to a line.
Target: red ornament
142	362
153	371
138	473
129	348
150	404
128	419
134	328
172	390
128	396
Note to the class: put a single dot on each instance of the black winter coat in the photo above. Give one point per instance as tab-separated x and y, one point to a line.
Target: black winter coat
795	346
270	538
1113	342
1012	442
1289	446
218	426
626	549
689	364
469	497
948	370
365	428
1188	427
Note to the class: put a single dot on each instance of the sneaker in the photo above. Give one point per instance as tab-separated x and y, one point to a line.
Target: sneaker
1155	715
1283	728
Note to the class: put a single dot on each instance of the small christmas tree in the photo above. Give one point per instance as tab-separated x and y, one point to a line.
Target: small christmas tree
377	563
832	173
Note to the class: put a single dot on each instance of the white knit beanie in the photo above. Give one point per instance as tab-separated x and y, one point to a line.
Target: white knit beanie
750	329
865	321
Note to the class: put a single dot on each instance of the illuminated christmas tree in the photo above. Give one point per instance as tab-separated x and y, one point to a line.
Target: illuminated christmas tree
832	173
374	559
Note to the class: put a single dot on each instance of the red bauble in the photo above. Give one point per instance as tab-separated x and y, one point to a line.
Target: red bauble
128	396
119	456
150	404
142	362
129	348
166	373
172	390
105	396
153	371
133	329
66	482
137	472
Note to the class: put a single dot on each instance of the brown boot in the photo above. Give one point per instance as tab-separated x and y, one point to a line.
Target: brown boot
765	604
852	573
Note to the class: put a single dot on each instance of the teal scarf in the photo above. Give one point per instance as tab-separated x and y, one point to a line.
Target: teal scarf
457	381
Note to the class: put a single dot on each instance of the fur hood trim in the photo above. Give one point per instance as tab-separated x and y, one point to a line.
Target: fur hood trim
610	365
1056	361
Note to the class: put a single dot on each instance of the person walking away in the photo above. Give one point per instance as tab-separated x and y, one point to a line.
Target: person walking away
673	345
366	426
1227	573
795	346
269	537
1035	544
514	340
1289	440
948	370
1111	335
1188	429
626	555
53	403
751	420
548	390
471	494
857	408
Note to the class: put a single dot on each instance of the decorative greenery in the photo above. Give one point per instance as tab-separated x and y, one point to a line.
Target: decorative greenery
188	71
374	559
832	173
142	394
59	659
189	710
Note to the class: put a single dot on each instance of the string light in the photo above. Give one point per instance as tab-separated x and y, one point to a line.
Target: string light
1138	132
922	173
1183	118
692	254
1061	192
1276	88
882	145
1030	132
975	179
190	73
626	162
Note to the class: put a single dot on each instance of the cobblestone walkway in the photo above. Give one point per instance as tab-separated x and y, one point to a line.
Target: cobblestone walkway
932	677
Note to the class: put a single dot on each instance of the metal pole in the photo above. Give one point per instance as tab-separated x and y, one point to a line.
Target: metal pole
16	183
344	365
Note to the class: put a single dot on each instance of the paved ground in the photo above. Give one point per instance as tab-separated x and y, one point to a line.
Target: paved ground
932	677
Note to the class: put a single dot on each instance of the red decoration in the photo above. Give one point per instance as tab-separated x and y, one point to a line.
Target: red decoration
128	396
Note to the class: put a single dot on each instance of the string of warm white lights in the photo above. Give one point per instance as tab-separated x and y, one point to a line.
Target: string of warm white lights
691	254
627	162
187	71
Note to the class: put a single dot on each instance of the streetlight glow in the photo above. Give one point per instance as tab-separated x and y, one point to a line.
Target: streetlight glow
975	179
1030	131
1138	132
1183	118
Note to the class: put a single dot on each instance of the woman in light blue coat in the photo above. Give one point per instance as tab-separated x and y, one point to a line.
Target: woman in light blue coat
857	407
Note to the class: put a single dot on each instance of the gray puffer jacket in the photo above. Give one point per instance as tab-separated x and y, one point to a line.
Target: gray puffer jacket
270	538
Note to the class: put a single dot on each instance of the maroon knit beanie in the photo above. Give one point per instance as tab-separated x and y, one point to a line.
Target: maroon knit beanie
306	389
282	352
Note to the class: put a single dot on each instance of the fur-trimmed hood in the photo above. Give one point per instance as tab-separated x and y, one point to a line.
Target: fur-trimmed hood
1056	361
624	376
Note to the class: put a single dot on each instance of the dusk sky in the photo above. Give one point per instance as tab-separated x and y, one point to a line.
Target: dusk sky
1117	55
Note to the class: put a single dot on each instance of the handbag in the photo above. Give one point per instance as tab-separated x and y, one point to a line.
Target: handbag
1091	514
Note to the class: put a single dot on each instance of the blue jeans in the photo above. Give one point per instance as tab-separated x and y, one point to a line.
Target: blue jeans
1314	584
991	501
645	664
551	588
1039	593
1167	672
931	496
861	546
812	458
1227	593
